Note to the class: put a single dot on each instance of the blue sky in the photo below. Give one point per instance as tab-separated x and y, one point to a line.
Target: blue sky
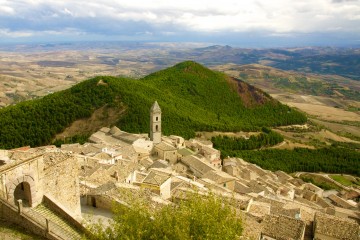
254	23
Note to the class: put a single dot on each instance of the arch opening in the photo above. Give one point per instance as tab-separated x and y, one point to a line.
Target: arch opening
23	192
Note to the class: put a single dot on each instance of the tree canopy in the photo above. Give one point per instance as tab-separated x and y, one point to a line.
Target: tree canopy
199	217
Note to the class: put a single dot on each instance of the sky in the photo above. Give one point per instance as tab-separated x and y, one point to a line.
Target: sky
249	23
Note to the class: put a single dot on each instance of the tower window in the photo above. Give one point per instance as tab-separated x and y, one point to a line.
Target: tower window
157	118
156	127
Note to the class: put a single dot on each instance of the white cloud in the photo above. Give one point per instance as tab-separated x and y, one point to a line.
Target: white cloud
275	16
6	10
14	34
22	34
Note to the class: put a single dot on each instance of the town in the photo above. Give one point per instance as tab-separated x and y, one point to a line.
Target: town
57	192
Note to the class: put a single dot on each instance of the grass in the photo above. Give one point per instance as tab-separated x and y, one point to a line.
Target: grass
13	231
345	180
325	185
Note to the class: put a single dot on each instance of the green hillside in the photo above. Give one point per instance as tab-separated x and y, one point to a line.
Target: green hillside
192	98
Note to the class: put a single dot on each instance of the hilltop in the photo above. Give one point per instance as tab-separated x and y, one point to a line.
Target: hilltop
193	98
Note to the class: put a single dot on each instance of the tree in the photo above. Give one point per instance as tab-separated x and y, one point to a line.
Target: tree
197	217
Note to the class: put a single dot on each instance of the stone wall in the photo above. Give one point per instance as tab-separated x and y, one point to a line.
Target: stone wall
165	189
28	171
10	213
59	210
100	201
62	184
170	156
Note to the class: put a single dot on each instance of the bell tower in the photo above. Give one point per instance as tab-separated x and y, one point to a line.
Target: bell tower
155	123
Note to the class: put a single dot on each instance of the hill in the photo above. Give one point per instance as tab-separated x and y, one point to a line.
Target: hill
294	82
191	96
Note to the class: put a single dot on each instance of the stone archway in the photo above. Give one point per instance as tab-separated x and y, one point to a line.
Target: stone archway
23	192
22	188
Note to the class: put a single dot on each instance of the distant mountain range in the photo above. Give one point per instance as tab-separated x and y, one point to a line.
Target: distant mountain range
192	98
321	60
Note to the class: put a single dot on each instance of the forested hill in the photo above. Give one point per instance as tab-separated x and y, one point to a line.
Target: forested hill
192	98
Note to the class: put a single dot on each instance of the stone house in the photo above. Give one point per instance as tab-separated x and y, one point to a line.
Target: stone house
329	227
273	185
232	170
221	178
105	195
204	142
99	198
309	195
192	145
283	177
177	141
184	152
143	145
213	186
212	156
248	174
282	228
241	188
286	192
104	158
258	187
258	209
230	167
338	201
311	187
197	166
323	203
166	152
159	183
136	177
197	144
256	169
346	213
181	168
159	164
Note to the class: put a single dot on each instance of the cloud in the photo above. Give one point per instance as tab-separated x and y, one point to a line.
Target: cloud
174	18
14	34
6	10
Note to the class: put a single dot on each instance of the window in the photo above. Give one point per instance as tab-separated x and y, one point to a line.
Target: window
156	128
157	118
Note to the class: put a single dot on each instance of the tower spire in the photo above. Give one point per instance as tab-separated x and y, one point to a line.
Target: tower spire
155	123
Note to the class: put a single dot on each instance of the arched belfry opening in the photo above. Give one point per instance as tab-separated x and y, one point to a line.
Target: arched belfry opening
23	192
